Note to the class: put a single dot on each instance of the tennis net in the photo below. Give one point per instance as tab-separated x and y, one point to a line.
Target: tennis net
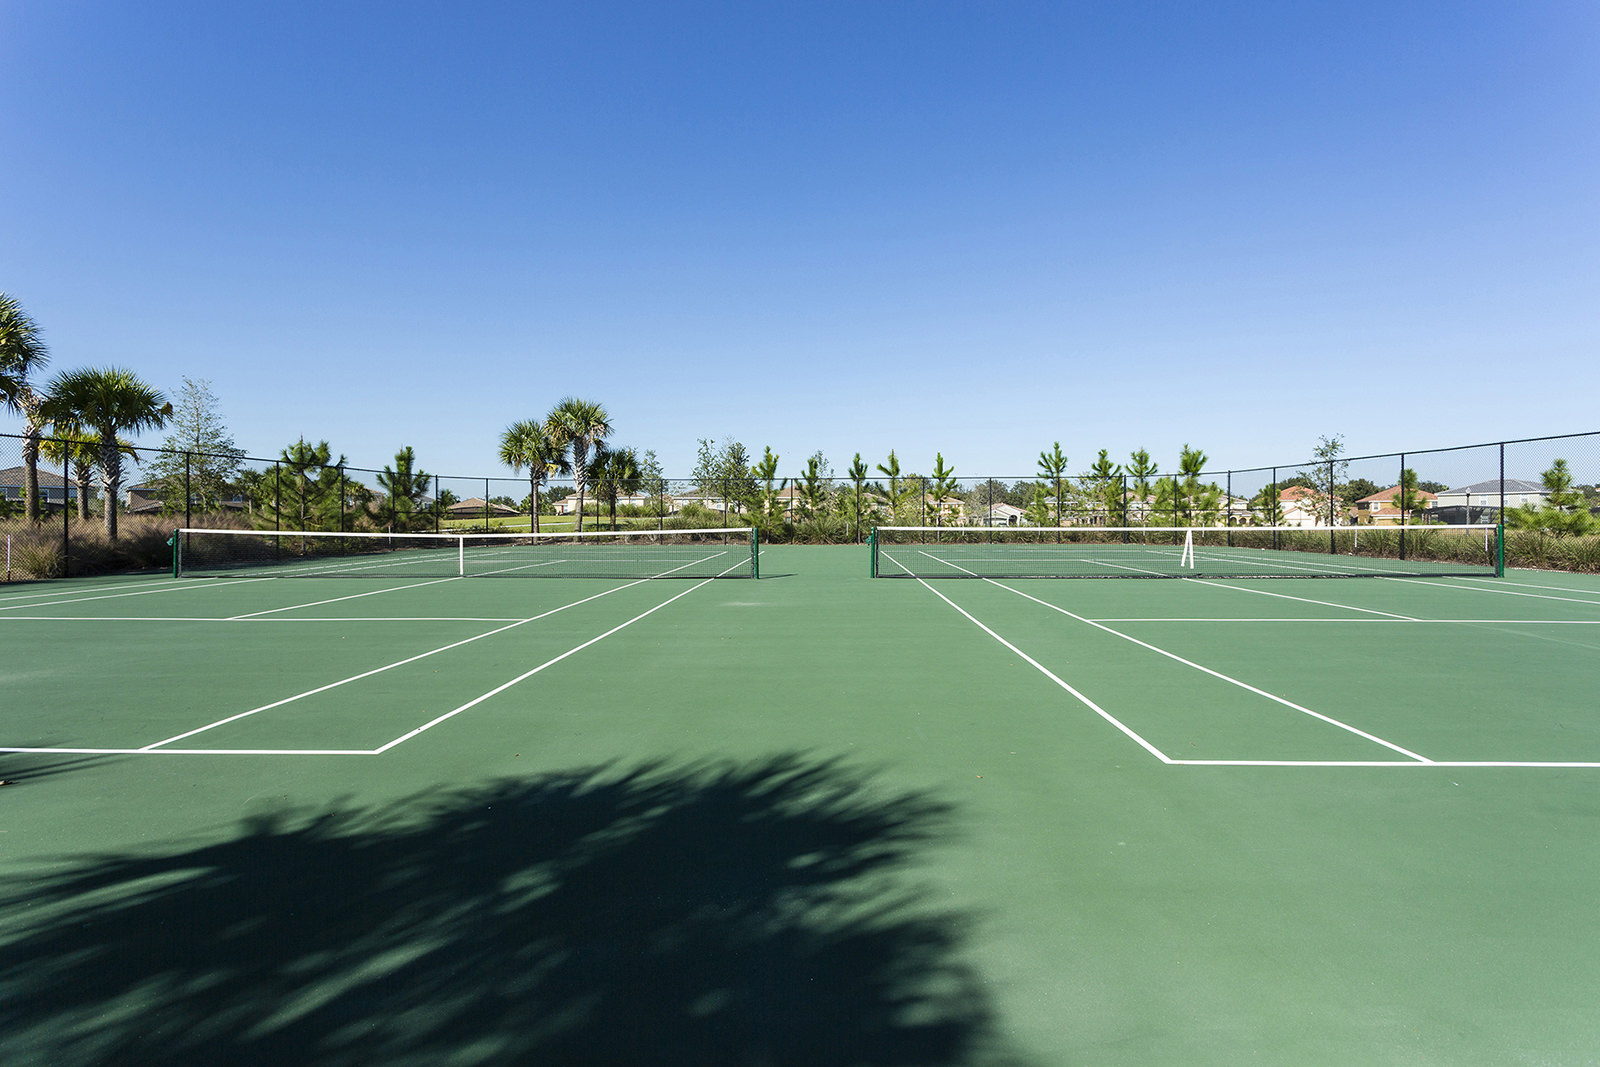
1186	552
721	553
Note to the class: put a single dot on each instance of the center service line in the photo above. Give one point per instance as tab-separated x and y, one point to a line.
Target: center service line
474	702
1042	669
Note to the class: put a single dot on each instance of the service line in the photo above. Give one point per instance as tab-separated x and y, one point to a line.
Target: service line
475	701
385	667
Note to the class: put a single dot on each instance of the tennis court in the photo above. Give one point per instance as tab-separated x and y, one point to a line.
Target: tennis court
814	817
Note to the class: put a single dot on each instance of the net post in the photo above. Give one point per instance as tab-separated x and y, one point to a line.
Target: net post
755	552
177	563
1500	544
66	515
872	549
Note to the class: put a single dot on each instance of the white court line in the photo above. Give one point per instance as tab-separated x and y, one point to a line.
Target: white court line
1373	622
1552	764
1452	584
518	567
337	599
957	566
386	667
1331	721
1204	670
410	659
1042	669
166	580
196	751
1304	600
146	592
247	618
403	738
1532	585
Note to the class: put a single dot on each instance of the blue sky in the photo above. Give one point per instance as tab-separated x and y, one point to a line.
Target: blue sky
974	228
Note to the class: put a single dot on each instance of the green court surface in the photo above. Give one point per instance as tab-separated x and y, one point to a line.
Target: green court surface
813	818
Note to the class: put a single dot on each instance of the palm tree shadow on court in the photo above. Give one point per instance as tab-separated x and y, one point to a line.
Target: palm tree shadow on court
717	914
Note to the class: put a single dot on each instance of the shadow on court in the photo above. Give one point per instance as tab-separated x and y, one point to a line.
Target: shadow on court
749	914
19	768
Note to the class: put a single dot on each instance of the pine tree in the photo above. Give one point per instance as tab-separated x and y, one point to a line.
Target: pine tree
1565	510
198	454
400	507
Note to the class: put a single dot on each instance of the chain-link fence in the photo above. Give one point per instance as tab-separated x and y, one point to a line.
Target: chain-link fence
54	519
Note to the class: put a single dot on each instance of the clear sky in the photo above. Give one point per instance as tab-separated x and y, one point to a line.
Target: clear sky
975	228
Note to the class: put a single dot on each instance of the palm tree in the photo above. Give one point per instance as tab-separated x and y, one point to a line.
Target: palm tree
533	445
23	351
72	443
108	400
616	473
579	425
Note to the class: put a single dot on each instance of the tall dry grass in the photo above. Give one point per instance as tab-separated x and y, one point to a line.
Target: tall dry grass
36	551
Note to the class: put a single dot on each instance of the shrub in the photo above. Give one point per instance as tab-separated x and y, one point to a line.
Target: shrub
142	545
32	552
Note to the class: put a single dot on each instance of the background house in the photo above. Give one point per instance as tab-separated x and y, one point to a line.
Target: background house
1480	501
1303	507
1002	514
476	507
54	491
1379	509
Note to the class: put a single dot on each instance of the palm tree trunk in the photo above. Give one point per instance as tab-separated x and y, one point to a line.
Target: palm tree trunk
32	432
110	477
533	500
83	471
580	474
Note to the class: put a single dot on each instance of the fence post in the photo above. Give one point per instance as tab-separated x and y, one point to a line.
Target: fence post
1275	513
1332	544
66	516
1502	488
1400	500
188	493
277	508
